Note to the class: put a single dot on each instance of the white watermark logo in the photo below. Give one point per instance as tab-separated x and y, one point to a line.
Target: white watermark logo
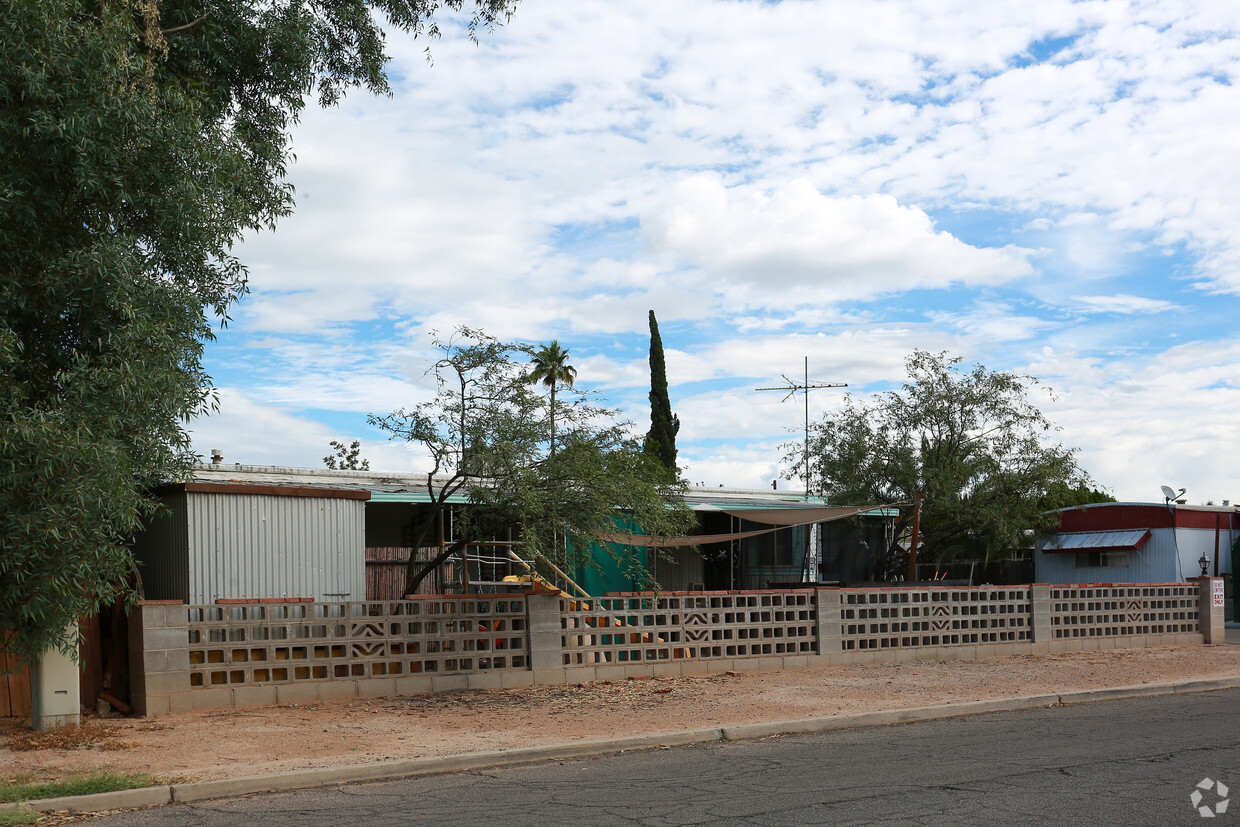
1221	800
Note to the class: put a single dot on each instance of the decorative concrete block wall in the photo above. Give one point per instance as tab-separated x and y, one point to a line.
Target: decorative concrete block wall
259	652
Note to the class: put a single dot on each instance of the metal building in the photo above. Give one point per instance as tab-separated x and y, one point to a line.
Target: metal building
229	540
1137	543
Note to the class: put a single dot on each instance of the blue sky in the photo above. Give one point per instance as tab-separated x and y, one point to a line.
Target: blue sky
1040	186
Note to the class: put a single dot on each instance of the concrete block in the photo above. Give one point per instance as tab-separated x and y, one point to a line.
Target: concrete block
548	677
374	687
749	665
543	612
449	683
297	693
340	689
149	616
176	660
613	672
150	705
413	685
255	696
180	704
697	666
512	680
907	655
212	699
164	639
165	683
545	641
486	680
795	662
156	660
665	668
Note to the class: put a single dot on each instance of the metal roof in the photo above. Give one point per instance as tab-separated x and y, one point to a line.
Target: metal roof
1130	540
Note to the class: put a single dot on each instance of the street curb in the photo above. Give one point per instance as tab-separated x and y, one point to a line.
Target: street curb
411	767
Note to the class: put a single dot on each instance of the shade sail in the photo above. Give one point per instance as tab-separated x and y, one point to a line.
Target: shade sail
1128	540
786	516
778	517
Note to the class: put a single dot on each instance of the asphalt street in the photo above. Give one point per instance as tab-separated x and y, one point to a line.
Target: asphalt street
1127	762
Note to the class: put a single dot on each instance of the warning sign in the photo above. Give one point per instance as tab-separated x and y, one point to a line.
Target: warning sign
1218	591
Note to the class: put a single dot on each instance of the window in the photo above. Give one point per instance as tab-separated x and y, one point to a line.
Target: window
1101	559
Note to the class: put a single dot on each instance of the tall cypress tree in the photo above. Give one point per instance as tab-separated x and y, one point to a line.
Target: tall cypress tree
664	425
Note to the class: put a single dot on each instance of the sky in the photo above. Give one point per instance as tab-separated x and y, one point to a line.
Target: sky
1042	186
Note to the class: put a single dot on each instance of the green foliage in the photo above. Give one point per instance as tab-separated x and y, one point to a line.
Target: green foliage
140	140
18	817
347	457
971	442
551	368
664	425
31	787
1062	495
484	433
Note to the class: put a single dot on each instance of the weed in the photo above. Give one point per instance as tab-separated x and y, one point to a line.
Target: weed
45	783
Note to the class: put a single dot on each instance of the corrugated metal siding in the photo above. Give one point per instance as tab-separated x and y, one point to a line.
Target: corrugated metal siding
163	552
265	546
1154	562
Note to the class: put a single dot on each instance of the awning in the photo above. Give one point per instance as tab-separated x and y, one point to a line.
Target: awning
412	497
1129	540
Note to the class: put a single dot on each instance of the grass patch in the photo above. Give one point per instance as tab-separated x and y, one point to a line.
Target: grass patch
47	783
86	735
18	818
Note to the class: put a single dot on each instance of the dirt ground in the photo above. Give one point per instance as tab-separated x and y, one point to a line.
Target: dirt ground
224	743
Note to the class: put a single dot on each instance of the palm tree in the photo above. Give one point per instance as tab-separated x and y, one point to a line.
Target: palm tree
551	368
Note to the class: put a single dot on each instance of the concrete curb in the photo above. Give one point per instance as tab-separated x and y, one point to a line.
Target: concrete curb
410	767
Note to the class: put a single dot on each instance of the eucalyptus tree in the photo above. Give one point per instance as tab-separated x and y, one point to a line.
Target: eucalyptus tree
551	368
971	442
141	140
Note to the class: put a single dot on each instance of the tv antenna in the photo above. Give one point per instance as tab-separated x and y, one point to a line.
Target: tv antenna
1171	494
791	388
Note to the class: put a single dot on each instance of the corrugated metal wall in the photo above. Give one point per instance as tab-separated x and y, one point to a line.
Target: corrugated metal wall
1153	563
163	552
246	545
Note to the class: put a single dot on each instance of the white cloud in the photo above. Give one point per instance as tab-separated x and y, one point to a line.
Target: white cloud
796	245
1123	303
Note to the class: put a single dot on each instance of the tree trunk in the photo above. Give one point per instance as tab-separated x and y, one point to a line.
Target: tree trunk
414	578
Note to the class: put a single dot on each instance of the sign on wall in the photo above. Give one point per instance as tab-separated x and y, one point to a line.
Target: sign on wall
1218	591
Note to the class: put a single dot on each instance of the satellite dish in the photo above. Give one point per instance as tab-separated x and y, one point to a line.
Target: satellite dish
1168	492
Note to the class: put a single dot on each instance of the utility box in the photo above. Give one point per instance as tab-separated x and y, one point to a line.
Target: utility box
55	697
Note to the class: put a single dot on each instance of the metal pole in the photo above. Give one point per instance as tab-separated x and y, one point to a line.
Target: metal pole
807	428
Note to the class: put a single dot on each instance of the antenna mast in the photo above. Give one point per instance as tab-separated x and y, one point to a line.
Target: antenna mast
791	388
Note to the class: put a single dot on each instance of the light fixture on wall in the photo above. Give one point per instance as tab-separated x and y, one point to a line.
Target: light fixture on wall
1204	562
